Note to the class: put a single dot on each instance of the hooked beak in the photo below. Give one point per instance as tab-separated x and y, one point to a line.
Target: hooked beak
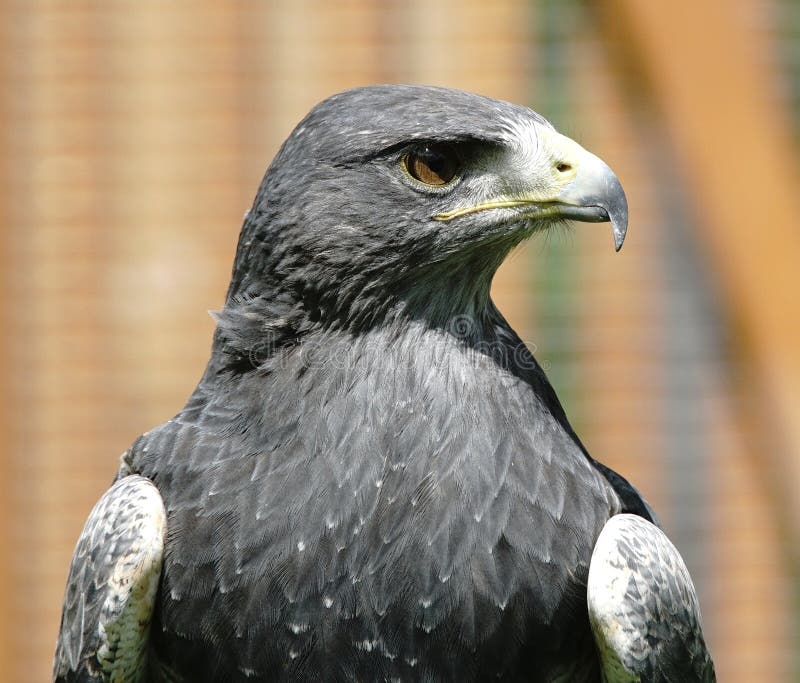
595	195
579	186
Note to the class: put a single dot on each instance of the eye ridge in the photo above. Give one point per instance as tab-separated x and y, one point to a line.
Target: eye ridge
434	165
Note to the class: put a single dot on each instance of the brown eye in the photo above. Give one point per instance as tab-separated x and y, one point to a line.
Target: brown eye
431	164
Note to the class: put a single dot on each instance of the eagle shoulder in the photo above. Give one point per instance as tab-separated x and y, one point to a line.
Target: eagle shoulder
643	607
112	586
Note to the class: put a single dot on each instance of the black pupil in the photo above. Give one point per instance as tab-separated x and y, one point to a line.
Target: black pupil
432	165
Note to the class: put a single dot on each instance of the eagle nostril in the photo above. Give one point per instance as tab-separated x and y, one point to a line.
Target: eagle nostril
563	167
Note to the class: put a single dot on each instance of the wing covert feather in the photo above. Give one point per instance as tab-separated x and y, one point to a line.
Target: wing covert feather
111	588
643	607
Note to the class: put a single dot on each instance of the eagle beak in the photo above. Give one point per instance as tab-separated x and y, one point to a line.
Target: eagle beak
594	194
580	187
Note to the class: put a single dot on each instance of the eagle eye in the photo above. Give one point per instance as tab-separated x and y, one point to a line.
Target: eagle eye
431	164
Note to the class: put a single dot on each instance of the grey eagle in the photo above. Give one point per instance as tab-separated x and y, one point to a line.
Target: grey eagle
374	479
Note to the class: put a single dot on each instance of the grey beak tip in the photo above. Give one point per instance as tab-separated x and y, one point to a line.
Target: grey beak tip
612	198
618	213
619	237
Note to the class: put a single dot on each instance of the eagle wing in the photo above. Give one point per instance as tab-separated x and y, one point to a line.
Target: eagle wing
643	607
112	585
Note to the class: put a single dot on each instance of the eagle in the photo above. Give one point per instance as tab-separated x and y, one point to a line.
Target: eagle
373	479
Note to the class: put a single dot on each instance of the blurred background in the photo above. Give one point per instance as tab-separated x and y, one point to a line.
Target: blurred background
134	136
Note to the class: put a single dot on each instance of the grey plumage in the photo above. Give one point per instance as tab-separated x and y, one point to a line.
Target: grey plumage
374	479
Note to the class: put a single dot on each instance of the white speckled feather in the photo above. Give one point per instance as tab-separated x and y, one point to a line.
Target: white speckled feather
643	608
112	586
